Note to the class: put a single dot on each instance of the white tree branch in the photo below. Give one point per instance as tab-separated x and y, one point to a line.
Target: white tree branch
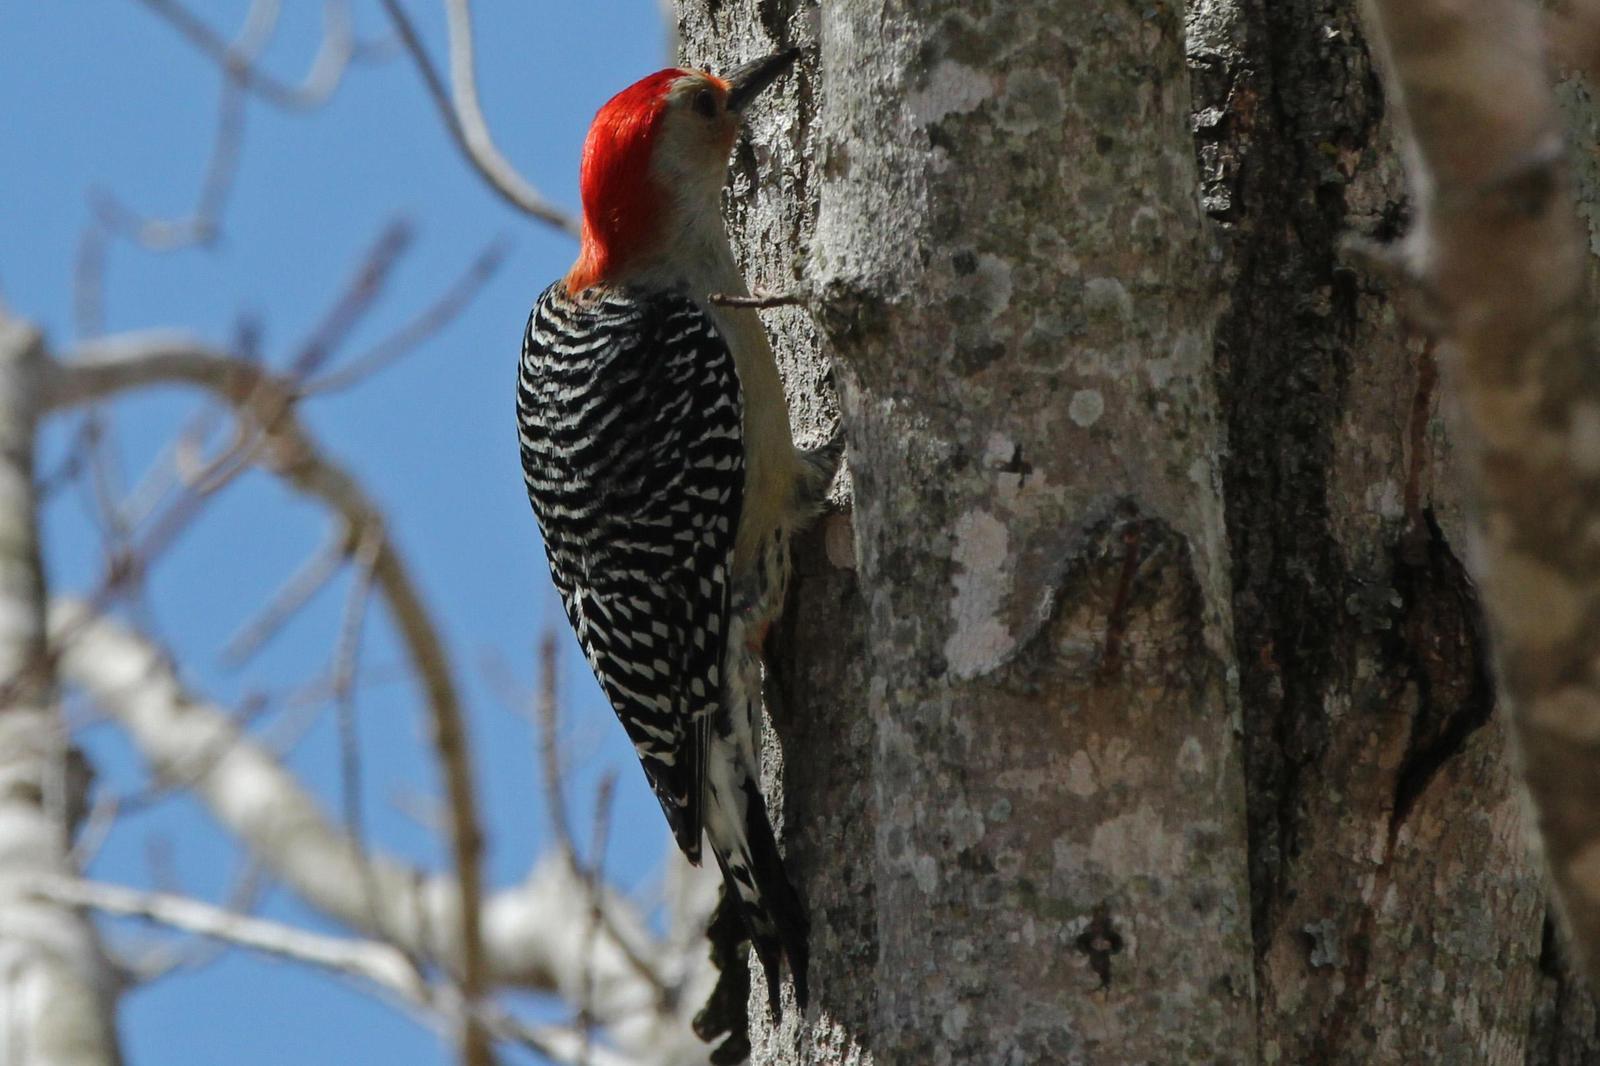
371	961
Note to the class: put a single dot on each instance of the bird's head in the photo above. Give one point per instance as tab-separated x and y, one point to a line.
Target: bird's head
655	161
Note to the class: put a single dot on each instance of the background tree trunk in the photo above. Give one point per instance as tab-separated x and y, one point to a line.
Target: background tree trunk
1156	723
56	996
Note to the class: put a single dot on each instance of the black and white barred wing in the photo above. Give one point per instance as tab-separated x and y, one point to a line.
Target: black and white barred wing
629	413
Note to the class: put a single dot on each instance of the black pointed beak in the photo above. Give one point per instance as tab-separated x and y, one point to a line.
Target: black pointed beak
746	83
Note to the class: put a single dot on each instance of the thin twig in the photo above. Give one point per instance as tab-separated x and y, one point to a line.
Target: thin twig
759	299
406	339
464	118
357	297
547	721
241	898
203	222
368	959
305	583
89	283
103	813
377	963
333	58
346	659
594	872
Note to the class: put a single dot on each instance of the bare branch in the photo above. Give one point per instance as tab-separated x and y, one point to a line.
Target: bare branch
52	957
118	364
346	657
370	961
404	340
548	725
89	282
246	713
167	958
358	295
594	879
333	59
534	933
305	583
375	962
202	223
463	116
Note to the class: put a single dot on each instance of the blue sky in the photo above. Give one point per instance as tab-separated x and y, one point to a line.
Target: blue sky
102	93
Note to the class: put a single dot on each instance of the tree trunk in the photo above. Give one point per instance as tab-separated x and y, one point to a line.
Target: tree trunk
55	985
1155	721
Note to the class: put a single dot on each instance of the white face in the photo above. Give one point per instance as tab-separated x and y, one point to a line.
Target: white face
695	138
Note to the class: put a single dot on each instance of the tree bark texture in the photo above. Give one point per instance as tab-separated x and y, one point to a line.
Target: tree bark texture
1153	722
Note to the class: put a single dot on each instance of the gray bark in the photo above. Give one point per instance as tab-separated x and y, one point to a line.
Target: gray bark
1156	722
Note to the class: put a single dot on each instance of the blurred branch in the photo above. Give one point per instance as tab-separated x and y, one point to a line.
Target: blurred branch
347	657
1498	243
378	963
534	933
266	401
374	962
302	585
404	340
463	116
594	881
238	61
53	1003
167	958
548	725
356	299
202	223
339	48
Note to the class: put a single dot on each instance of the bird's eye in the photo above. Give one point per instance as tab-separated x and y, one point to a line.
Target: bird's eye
705	103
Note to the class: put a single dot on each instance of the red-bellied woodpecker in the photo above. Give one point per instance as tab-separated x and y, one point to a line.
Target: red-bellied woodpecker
658	456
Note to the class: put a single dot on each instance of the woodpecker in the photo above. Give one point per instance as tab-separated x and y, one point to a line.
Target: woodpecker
658	457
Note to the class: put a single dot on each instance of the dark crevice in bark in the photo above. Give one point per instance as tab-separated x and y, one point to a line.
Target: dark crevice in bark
1440	639
1280	120
1269	126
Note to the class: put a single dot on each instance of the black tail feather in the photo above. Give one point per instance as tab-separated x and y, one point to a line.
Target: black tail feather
773	914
